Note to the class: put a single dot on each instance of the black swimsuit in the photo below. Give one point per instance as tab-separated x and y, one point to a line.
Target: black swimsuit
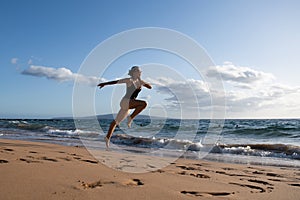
132	92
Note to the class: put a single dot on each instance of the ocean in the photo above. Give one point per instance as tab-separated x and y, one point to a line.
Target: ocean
248	141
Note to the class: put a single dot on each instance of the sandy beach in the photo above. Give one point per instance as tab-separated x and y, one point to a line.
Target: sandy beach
31	170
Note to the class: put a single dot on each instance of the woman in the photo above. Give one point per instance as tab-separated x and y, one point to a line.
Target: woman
134	86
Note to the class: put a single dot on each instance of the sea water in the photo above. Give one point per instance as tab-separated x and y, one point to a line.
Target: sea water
248	141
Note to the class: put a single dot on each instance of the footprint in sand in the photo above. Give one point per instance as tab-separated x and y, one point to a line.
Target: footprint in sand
267	174
7	149
257	172
48	159
65	158
295	184
96	184
29	160
197	175
228	168
228	174
186	168
92	185
3	161
260	182
276	180
99	183
133	182
260	189
90	161
200	175
273	174
157	171
74	154
206	194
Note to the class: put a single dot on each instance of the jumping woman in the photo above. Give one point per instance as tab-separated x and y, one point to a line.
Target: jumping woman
134	86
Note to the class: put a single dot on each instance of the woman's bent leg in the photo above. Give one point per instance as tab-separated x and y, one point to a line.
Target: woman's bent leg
139	106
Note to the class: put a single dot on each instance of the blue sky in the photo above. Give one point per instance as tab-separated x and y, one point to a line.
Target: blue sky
242	37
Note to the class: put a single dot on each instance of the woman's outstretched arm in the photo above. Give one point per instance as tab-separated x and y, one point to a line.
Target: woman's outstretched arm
101	85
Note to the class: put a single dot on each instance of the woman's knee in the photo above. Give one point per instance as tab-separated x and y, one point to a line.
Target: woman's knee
144	104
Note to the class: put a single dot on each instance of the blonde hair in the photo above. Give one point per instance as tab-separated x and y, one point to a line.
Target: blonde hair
130	72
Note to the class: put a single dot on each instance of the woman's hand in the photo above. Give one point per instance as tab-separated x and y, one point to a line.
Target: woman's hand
147	85
101	85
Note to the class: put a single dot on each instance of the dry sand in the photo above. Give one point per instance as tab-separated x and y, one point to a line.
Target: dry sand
31	170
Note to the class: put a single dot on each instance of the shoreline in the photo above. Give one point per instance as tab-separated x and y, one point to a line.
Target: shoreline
213	157
260	142
35	170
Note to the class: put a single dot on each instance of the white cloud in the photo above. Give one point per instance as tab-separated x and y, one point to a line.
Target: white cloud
249	93
238	74
14	61
188	96
61	74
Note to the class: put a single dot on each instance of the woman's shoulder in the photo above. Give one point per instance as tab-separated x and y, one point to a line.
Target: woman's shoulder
125	80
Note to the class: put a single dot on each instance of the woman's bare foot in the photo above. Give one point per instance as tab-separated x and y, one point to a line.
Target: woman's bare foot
129	121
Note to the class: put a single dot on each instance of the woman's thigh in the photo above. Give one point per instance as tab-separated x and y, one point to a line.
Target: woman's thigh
124	104
122	114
